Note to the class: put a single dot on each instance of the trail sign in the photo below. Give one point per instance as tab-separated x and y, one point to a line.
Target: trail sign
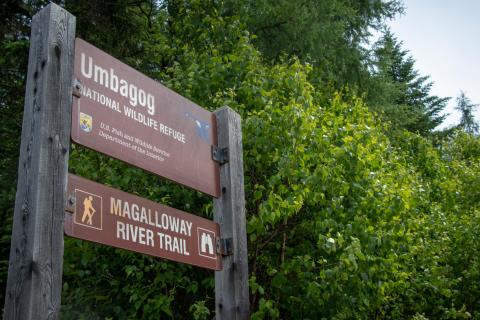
115	96
105	215
124	114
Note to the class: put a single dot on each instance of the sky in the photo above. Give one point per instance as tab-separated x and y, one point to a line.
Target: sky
443	36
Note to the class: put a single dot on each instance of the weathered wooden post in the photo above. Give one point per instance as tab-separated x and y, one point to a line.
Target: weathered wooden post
36	256
231	283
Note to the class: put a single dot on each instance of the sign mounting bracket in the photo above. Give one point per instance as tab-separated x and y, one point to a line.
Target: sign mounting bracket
220	155
225	246
77	88
70	207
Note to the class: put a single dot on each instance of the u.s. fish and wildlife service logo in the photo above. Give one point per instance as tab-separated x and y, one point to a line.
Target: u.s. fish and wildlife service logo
85	122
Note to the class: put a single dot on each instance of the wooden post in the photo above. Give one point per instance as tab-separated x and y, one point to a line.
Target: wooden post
34	281
231	284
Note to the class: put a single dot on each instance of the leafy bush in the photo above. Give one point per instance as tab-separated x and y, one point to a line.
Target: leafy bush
344	221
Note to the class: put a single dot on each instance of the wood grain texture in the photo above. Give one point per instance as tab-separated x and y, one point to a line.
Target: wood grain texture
36	256
231	284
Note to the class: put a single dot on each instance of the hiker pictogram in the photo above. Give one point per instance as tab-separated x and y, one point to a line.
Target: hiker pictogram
88	210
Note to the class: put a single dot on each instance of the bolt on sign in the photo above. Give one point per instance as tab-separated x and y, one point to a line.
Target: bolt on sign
108	216
126	115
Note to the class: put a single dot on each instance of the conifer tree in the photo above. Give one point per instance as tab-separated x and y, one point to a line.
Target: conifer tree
329	34
400	92
467	120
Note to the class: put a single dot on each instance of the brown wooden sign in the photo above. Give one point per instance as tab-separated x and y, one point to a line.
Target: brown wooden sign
124	114
105	215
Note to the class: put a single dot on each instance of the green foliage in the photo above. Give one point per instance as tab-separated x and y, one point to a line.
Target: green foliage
345	225
328	213
327	33
344	221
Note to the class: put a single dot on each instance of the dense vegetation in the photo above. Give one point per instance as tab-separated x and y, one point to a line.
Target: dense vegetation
356	208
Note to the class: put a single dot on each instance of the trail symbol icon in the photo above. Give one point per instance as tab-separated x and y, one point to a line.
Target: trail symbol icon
88	209
206	243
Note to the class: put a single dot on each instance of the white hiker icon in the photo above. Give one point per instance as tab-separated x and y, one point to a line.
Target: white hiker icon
206	243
